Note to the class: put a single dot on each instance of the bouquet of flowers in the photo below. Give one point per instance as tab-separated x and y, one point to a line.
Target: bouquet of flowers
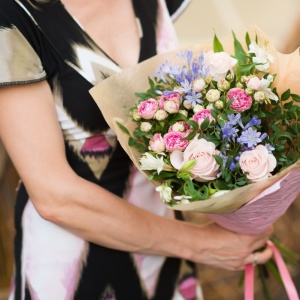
215	130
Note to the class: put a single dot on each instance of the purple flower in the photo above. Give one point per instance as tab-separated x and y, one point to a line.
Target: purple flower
194	98
229	131
255	121
234	119
270	148
231	166
186	86
250	137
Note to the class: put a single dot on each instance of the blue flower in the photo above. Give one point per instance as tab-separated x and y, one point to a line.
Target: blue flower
231	166
270	148
250	138
234	119
229	131
186	86
194	98
255	121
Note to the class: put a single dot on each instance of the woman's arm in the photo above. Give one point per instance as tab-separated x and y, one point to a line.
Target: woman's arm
33	139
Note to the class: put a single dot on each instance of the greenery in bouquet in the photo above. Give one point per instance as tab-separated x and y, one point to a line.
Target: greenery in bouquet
213	121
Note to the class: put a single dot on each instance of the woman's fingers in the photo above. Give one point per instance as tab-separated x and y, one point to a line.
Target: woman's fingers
259	257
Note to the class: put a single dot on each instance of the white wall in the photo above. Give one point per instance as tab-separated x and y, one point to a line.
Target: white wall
277	18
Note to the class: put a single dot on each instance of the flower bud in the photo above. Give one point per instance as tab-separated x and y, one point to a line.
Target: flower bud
157	143
178	127
183	112
230	77
239	85
249	91
198	84
171	107
187	105
244	79
219	104
208	79
135	115
161	115
223	85
146	126
188	165
197	108
213	95
259	97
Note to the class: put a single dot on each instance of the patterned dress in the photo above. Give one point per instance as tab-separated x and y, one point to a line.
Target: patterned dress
44	42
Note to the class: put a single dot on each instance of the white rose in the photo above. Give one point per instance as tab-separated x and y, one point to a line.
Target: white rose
219	64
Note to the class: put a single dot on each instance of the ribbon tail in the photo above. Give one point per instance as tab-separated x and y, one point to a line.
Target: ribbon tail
284	273
249	282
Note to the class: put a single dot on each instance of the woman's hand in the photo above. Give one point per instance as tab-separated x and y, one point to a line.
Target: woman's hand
231	251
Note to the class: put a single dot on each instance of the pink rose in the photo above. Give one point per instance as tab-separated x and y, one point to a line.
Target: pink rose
175	97
219	64
241	101
147	109
171	107
258	163
161	102
174	141
157	143
206	168
201	115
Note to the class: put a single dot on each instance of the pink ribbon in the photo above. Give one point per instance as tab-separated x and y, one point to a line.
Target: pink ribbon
284	273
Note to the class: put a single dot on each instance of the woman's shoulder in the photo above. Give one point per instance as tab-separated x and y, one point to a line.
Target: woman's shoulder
12	13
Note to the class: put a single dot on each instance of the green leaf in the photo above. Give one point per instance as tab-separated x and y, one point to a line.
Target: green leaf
217	45
219	160
193	124
190	190
220	185
204	124
133	143
213	139
240	53
286	95
190	136
295	97
245	68
248	41
142	96
123	128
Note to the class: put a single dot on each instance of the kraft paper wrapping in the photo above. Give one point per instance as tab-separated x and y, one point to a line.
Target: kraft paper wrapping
116	95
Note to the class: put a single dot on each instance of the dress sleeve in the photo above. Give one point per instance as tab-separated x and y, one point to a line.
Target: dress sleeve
168	11
19	60
176	7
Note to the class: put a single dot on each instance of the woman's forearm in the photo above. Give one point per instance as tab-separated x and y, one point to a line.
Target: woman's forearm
103	218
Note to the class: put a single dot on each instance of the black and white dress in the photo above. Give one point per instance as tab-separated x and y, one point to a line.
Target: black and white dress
44	42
